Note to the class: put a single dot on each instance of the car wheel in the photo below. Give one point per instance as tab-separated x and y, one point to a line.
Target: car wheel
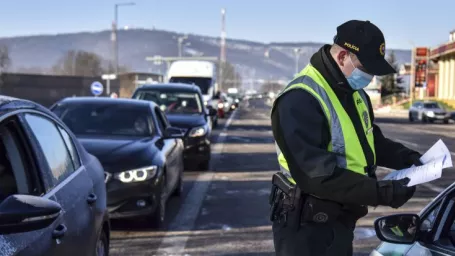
424	119
179	189
102	245
157	218
446	121
205	165
411	119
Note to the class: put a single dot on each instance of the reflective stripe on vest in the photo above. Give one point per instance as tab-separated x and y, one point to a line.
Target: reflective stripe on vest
344	140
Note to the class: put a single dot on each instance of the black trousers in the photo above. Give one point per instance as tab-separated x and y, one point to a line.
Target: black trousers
312	239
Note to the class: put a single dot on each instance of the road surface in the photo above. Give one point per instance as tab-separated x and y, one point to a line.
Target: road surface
225	211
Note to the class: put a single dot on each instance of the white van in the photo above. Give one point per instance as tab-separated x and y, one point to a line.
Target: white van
200	73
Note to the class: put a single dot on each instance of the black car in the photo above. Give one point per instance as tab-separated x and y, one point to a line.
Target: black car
140	152
431	232
184	108
52	192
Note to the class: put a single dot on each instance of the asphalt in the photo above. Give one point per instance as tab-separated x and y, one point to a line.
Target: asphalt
224	211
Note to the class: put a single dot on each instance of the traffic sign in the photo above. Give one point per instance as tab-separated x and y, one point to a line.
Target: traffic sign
96	88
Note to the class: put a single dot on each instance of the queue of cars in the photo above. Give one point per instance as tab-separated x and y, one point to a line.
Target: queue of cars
66	171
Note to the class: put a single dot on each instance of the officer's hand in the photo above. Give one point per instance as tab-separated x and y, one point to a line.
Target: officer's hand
414	159
394	193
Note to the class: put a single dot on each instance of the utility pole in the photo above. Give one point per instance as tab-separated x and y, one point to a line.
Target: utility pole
180	43
222	46
115	33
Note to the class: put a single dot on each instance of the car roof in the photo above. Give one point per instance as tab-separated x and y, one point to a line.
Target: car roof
171	86
8	104
107	100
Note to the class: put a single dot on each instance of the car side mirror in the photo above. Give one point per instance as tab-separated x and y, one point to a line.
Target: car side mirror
25	213
398	229
173	133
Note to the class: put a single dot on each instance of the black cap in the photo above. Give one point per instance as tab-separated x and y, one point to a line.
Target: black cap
367	42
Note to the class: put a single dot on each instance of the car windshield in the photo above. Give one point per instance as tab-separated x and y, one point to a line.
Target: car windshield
101	119
431	105
203	83
172	102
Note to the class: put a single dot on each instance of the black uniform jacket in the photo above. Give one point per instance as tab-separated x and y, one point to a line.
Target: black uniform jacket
302	133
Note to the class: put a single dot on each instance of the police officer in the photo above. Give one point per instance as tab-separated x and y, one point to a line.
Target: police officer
328	147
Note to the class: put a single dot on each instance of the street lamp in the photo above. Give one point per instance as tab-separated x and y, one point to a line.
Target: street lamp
115	32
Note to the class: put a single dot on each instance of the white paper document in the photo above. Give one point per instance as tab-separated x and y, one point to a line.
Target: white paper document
434	160
438	150
419	174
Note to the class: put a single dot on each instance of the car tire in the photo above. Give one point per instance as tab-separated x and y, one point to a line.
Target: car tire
205	165
179	188
156	219
446	121
424	119
411	119
102	245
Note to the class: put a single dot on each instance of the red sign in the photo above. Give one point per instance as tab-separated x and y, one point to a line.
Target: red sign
421	52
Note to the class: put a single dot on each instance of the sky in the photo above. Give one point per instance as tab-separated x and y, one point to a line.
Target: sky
404	23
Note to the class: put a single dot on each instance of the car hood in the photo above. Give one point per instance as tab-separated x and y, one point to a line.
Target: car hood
437	110
186	121
109	150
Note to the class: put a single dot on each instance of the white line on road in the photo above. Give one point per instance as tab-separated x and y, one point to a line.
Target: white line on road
407	142
190	208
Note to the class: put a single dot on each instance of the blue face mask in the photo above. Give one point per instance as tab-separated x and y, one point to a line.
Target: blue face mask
358	79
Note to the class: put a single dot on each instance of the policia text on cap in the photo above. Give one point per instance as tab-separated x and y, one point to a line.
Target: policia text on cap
328	147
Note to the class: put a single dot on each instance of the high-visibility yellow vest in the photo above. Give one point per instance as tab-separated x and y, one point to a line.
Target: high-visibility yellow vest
344	140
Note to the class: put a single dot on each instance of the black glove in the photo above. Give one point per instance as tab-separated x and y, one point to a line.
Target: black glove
414	159
394	193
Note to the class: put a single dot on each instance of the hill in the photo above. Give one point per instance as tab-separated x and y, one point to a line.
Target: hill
39	53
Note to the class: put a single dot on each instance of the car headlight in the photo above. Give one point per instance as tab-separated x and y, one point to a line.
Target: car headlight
220	105
205	103
236	100
430	114
226	104
198	131
137	175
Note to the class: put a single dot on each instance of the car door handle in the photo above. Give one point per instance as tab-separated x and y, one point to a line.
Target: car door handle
59	231
91	198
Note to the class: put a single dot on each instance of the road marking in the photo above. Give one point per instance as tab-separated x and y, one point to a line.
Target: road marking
407	142
191	207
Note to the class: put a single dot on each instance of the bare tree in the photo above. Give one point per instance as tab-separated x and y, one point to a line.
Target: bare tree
79	63
229	76
5	62
271	86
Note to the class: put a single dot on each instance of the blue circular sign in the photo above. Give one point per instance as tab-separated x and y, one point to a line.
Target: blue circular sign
96	88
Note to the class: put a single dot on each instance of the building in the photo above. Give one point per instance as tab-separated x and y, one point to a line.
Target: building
48	89
374	92
405	71
444	57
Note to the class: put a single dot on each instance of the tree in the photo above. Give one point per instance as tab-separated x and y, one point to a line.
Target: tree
271	86
5	62
79	63
228	76
111	70
390	84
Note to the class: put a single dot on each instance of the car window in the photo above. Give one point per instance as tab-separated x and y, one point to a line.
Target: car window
431	105
53	147
18	174
71	148
428	222
105	119
173	102
159	117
